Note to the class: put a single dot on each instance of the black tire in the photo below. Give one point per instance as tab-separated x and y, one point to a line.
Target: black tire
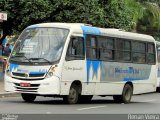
28	97
85	98
73	96
158	89
126	95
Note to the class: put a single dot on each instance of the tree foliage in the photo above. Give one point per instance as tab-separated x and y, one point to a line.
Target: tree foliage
78	11
22	13
150	21
118	15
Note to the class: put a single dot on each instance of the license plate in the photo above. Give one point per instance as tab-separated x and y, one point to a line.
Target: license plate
23	84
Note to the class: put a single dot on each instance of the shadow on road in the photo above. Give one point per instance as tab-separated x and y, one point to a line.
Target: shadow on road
60	102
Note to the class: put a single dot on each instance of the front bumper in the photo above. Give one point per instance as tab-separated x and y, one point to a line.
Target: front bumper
47	86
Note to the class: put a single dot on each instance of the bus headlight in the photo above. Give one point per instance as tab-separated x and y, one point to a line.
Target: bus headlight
51	71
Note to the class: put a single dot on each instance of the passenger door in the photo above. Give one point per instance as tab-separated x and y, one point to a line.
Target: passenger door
74	64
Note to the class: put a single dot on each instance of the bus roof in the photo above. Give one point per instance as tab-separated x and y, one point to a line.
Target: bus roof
89	29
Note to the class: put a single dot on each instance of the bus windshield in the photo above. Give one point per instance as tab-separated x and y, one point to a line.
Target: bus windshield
39	45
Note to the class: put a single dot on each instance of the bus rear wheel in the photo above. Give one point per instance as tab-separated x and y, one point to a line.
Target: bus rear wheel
28	97
73	96
126	95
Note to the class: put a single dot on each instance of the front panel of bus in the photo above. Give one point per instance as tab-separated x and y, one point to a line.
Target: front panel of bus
33	63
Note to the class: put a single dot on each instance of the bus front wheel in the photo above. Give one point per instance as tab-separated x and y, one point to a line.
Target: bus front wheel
28	97
126	95
73	96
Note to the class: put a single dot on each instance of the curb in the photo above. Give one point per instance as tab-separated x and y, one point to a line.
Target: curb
9	94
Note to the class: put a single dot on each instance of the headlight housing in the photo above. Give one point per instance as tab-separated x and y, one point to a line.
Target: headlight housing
51	71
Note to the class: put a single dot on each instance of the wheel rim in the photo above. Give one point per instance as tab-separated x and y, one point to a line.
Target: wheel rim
72	95
127	94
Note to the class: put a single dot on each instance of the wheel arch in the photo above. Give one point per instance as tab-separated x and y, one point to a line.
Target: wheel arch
131	84
78	84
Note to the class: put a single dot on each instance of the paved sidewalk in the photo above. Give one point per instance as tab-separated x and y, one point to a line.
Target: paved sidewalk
2	86
3	93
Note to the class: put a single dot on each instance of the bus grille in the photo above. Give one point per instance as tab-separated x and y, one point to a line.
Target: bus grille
28	76
37	75
19	74
32	88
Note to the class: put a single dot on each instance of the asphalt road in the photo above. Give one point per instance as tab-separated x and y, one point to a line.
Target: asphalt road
146	103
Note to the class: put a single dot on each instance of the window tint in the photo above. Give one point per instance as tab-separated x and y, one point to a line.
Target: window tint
104	42
151	53
139	52
150	48
76	48
123	52
138	47
119	49
123	56
123	44
106	48
139	57
151	58
91	52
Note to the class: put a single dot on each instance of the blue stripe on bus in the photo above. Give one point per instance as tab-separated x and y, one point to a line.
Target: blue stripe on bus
95	64
133	79
91	30
13	67
37	73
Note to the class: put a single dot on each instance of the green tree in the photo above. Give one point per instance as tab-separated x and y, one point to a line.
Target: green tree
150	22
153	13
146	14
78	11
22	13
117	14
137	10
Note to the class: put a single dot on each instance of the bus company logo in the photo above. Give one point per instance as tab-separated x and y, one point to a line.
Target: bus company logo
130	70
20	70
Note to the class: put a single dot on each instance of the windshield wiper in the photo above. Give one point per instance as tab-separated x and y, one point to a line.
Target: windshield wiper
21	56
40	58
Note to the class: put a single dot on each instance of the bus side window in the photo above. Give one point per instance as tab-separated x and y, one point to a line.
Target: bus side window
75	49
91	48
